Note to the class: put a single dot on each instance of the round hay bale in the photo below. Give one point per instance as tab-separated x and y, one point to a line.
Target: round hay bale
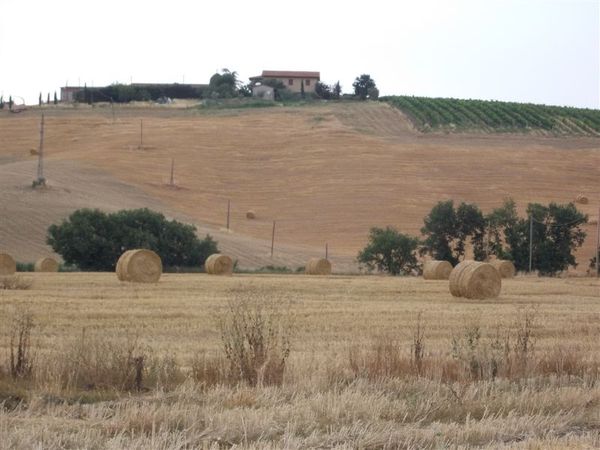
318	266
582	199
218	264
436	270
8	266
250	215
456	275
120	269
505	268
476	280
139	266
208	264
46	265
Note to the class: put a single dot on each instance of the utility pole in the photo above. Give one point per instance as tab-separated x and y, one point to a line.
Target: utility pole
598	245
228	212
326	251
141	133
530	242
172	181
273	239
41	181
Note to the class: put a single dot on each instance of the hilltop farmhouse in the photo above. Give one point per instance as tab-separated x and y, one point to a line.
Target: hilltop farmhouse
292	80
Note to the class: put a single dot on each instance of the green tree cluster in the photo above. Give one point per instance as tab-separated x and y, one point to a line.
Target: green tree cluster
556	234
327	92
224	85
390	251
448	230
364	87
94	240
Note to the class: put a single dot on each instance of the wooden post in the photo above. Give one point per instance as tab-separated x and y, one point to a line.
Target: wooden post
487	245
530	242
40	170
228	212
141	133
326	251
273	239
172	181
598	245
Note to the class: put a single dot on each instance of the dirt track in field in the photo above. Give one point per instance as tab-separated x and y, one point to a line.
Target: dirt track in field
325	173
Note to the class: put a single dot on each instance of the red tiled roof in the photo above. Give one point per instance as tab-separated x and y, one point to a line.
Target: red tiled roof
290	74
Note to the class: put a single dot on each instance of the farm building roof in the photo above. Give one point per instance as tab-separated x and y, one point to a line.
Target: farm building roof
288	74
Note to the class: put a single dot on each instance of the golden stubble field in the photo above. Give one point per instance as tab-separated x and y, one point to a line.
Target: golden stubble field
351	381
326	173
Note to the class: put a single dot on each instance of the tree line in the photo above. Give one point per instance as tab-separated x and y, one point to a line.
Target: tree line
222	85
554	232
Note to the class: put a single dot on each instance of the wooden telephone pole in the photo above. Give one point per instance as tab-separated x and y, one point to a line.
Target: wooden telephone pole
598	245
40	181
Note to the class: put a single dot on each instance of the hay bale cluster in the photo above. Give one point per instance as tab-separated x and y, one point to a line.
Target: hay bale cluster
218	264
139	266
437	270
8	266
582	199
504	267
475	280
46	265
318	266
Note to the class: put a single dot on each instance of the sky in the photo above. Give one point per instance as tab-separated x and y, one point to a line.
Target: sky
538	51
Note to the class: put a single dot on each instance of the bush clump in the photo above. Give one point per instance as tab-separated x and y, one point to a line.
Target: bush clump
94	240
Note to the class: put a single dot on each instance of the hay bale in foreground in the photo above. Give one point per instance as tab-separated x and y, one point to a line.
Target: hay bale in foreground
582	199
120	271
46	265
8	266
456	275
250	215
436	270
218	264
476	280
504	267
139	266
318	266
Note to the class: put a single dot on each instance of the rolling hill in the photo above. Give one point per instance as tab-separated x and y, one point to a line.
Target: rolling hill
325	173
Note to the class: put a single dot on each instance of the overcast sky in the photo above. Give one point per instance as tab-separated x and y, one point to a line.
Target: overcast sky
540	51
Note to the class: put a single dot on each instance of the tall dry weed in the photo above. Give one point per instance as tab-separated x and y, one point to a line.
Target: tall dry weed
124	364
21	357
255	333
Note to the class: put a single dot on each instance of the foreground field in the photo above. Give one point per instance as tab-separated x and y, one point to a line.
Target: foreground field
375	362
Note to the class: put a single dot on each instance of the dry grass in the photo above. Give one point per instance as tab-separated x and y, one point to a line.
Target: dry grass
374	362
13	282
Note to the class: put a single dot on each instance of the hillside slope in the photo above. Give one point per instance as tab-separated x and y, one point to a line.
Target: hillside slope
324	173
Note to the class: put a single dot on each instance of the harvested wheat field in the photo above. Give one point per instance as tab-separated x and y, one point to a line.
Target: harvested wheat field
326	173
353	362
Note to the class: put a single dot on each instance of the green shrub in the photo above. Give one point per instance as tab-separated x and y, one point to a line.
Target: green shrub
25	266
94	240
390	251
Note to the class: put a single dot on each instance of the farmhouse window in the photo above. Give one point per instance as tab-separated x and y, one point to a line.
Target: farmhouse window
291	82
308	82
